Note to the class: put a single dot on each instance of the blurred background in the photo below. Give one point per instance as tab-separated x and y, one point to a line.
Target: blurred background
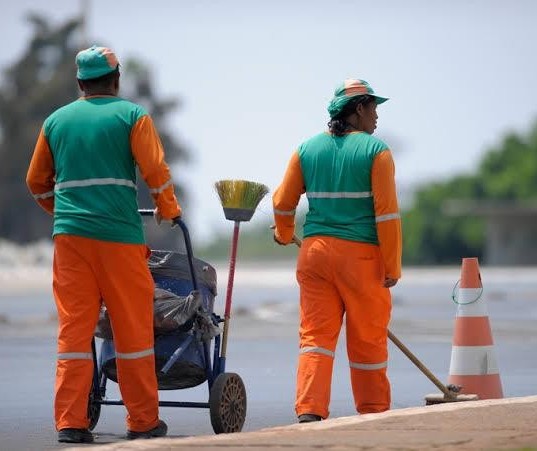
235	86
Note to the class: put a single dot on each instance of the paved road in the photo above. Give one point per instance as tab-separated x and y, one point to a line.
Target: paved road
264	354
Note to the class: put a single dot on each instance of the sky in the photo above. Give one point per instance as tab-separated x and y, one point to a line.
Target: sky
254	79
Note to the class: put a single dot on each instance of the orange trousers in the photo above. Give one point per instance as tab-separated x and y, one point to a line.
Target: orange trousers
340	277
87	272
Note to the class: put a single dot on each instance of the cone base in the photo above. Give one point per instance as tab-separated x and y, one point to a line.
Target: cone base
486	386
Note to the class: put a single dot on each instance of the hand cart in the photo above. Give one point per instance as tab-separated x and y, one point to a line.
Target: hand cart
182	356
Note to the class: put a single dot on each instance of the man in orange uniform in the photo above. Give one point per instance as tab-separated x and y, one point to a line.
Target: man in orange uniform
83	171
351	253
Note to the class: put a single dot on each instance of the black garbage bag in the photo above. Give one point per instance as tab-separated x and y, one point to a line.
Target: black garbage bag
170	313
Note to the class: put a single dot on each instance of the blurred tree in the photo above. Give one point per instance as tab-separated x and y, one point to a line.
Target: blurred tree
42	80
255	243
506	173
429	236
510	171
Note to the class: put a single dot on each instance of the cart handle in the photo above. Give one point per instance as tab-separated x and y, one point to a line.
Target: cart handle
188	243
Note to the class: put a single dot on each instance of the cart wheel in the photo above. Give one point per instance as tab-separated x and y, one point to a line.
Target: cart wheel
94	408
94	412
227	403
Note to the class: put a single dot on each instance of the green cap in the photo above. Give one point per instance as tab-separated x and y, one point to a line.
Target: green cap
350	89
95	62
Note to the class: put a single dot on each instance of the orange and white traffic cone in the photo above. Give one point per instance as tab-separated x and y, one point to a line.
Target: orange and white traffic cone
473	362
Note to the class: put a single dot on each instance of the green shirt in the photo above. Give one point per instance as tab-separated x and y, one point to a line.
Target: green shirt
95	190
337	177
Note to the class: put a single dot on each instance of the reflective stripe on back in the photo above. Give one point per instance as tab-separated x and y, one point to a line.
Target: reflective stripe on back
339	195
94	182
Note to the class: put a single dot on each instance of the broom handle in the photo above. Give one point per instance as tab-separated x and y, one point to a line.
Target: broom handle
420	365
231	275
406	351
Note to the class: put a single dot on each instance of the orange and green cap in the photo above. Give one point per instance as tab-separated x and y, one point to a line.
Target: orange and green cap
95	62
350	89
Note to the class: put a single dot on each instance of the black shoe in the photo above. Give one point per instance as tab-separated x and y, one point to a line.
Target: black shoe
160	430
308	418
70	435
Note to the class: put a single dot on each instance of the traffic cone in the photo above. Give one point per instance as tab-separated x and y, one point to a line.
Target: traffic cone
473	363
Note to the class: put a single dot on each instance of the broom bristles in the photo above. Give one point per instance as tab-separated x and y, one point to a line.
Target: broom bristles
241	194
240	198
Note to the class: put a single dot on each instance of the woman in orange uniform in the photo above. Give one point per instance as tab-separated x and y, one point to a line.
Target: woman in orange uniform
351	252
83	172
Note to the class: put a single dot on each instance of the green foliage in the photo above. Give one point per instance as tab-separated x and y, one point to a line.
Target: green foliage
255	243
430	234
507	173
510	172
39	82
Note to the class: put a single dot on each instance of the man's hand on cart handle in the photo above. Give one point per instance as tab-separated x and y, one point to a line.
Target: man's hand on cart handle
158	218
175	221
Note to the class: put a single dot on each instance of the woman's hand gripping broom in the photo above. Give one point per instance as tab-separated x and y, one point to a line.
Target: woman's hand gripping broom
239	199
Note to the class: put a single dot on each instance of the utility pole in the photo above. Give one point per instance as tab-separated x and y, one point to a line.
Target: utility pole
84	15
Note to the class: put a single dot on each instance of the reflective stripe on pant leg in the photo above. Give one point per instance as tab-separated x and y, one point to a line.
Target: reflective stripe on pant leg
128	289
321	312
78	301
313	384
368	307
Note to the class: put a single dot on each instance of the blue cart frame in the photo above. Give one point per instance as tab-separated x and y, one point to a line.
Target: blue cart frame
227	394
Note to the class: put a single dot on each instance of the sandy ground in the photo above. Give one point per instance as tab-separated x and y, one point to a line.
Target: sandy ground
506	424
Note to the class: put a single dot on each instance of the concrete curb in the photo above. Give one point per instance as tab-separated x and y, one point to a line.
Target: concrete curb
488	424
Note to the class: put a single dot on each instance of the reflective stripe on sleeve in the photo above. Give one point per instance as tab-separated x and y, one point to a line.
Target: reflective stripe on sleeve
284	212
44	195
317	350
75	356
134	355
94	182
368	366
339	195
387	217
160	189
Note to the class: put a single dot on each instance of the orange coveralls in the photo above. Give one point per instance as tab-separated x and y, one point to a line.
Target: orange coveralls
87	271
337	277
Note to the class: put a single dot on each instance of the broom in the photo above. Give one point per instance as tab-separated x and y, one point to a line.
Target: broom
450	393
239	199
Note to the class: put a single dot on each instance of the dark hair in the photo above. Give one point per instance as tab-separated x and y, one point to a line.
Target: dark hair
100	82
338	125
